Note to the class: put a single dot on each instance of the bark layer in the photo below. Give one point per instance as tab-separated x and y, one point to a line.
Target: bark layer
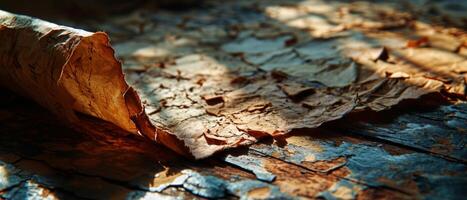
209	84
65	70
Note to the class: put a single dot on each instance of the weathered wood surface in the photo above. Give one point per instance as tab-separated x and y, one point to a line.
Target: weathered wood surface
225	75
405	153
37	159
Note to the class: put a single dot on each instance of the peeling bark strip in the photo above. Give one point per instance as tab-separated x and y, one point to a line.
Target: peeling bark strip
70	71
66	70
207	97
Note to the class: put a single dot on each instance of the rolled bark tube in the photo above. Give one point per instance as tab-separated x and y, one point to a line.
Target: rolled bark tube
65	70
71	71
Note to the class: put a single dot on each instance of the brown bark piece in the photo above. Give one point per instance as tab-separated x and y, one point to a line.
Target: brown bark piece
207	90
64	69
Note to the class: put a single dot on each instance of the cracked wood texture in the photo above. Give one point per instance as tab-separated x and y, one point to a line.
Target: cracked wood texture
42	159
227	74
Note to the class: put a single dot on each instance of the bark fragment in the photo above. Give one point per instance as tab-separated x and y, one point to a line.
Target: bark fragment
214	83
65	70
